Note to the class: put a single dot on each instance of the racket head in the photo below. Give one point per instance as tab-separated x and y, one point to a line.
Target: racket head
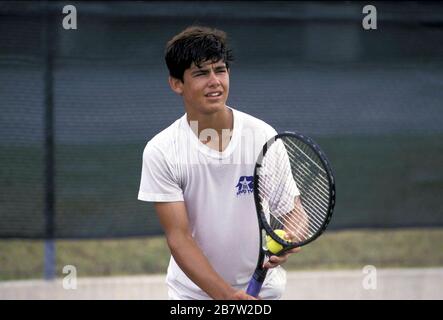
313	178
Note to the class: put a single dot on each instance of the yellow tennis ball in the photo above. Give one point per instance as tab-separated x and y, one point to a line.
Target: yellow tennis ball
274	246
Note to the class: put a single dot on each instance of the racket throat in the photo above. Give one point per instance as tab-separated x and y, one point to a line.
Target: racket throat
260	274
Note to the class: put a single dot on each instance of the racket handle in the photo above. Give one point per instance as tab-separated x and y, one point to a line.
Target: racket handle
254	287
256	282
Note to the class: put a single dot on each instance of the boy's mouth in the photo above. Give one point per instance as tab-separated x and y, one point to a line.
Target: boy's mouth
213	94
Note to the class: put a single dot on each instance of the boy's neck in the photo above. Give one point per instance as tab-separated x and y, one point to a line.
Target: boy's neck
222	122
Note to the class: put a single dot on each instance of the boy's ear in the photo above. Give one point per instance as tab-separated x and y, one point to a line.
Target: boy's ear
176	85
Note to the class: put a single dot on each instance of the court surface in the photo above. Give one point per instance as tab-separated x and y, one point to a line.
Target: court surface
335	285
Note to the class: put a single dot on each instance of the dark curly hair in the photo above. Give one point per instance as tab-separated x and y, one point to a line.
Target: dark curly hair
196	44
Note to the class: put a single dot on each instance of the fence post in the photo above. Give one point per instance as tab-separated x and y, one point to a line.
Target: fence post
49	43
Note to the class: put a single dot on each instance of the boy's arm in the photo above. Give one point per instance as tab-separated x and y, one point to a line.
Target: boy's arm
188	255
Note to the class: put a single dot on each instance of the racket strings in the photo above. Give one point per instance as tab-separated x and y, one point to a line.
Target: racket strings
299	230
298	216
315	196
285	193
322	176
293	222
298	164
286	167
282	221
296	221
307	153
300	151
318	206
305	175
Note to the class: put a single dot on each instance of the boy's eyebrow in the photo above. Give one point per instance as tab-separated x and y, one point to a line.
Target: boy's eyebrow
206	68
200	70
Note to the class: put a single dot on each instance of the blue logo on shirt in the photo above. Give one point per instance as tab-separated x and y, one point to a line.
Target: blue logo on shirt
245	185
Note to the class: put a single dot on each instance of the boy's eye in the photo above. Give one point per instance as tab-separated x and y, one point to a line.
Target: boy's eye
203	73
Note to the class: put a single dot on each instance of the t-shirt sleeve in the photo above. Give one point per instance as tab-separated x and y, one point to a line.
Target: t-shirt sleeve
158	182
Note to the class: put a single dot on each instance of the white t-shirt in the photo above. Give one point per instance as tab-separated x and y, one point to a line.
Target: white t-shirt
217	190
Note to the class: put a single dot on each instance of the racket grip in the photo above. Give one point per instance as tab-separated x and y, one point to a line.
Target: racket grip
254	287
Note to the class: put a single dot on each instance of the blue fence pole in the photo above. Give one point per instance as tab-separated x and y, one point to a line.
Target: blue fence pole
50	38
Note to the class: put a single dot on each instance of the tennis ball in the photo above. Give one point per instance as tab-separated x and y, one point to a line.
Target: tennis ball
274	246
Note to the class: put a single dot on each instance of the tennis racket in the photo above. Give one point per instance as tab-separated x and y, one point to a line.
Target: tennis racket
294	193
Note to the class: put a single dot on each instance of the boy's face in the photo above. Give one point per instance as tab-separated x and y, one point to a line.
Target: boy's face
205	89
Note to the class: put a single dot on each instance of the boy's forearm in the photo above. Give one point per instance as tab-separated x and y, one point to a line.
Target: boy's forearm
196	266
